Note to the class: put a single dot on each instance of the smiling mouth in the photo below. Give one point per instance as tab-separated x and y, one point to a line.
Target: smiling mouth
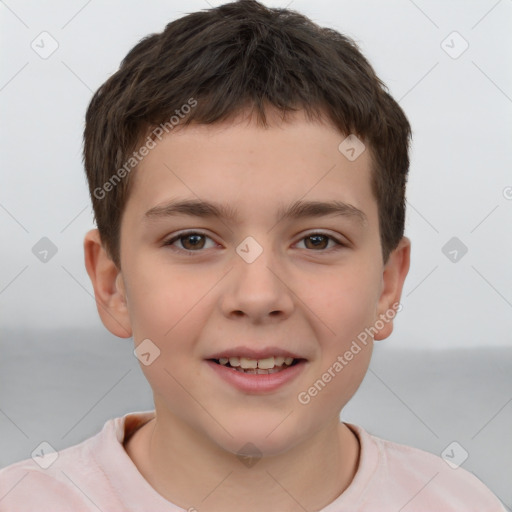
257	366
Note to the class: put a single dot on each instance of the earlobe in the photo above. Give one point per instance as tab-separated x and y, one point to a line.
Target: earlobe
393	277
108	284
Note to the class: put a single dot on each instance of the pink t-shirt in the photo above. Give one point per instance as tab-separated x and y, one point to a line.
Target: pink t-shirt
98	474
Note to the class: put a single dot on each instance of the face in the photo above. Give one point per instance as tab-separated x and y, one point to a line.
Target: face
258	284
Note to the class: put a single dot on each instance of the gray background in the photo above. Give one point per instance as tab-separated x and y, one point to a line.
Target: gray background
443	375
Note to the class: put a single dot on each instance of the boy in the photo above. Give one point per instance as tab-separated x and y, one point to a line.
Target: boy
270	143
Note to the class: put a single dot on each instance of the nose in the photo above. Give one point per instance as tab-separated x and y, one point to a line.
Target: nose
259	290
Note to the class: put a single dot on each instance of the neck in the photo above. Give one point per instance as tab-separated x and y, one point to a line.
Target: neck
194	473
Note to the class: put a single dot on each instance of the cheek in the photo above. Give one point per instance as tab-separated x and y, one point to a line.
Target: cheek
343	301
169	309
345	348
344	305
162	299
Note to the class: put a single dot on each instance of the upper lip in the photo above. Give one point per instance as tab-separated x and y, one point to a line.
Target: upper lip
252	353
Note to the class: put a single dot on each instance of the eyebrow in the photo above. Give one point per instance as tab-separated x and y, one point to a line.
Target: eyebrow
297	210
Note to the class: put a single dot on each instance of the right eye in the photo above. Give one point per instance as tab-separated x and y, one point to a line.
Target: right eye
190	241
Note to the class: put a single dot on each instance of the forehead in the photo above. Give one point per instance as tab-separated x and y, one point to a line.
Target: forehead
245	169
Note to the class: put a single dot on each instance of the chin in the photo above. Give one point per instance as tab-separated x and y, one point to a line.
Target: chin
262	435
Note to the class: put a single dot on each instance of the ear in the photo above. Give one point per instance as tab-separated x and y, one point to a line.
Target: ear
108	284
393	277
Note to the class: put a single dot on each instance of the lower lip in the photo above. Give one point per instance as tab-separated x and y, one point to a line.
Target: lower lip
254	382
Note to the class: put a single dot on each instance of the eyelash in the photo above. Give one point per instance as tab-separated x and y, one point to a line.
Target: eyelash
169	242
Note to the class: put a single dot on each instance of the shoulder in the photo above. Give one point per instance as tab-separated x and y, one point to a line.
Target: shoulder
421	480
90	476
61	479
24	486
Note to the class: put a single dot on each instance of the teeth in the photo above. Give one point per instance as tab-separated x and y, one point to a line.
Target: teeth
245	363
266	365
247	370
258	371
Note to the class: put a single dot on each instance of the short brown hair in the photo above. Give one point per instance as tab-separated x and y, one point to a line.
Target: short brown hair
239	56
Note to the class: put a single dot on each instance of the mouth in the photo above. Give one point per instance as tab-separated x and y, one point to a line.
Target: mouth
264	366
257	371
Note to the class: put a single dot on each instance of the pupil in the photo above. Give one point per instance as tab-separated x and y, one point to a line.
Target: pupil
197	239
318	240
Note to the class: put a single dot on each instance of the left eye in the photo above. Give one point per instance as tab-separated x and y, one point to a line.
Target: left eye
195	241
319	239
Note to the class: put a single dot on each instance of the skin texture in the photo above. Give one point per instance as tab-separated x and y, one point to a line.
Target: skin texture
310	300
